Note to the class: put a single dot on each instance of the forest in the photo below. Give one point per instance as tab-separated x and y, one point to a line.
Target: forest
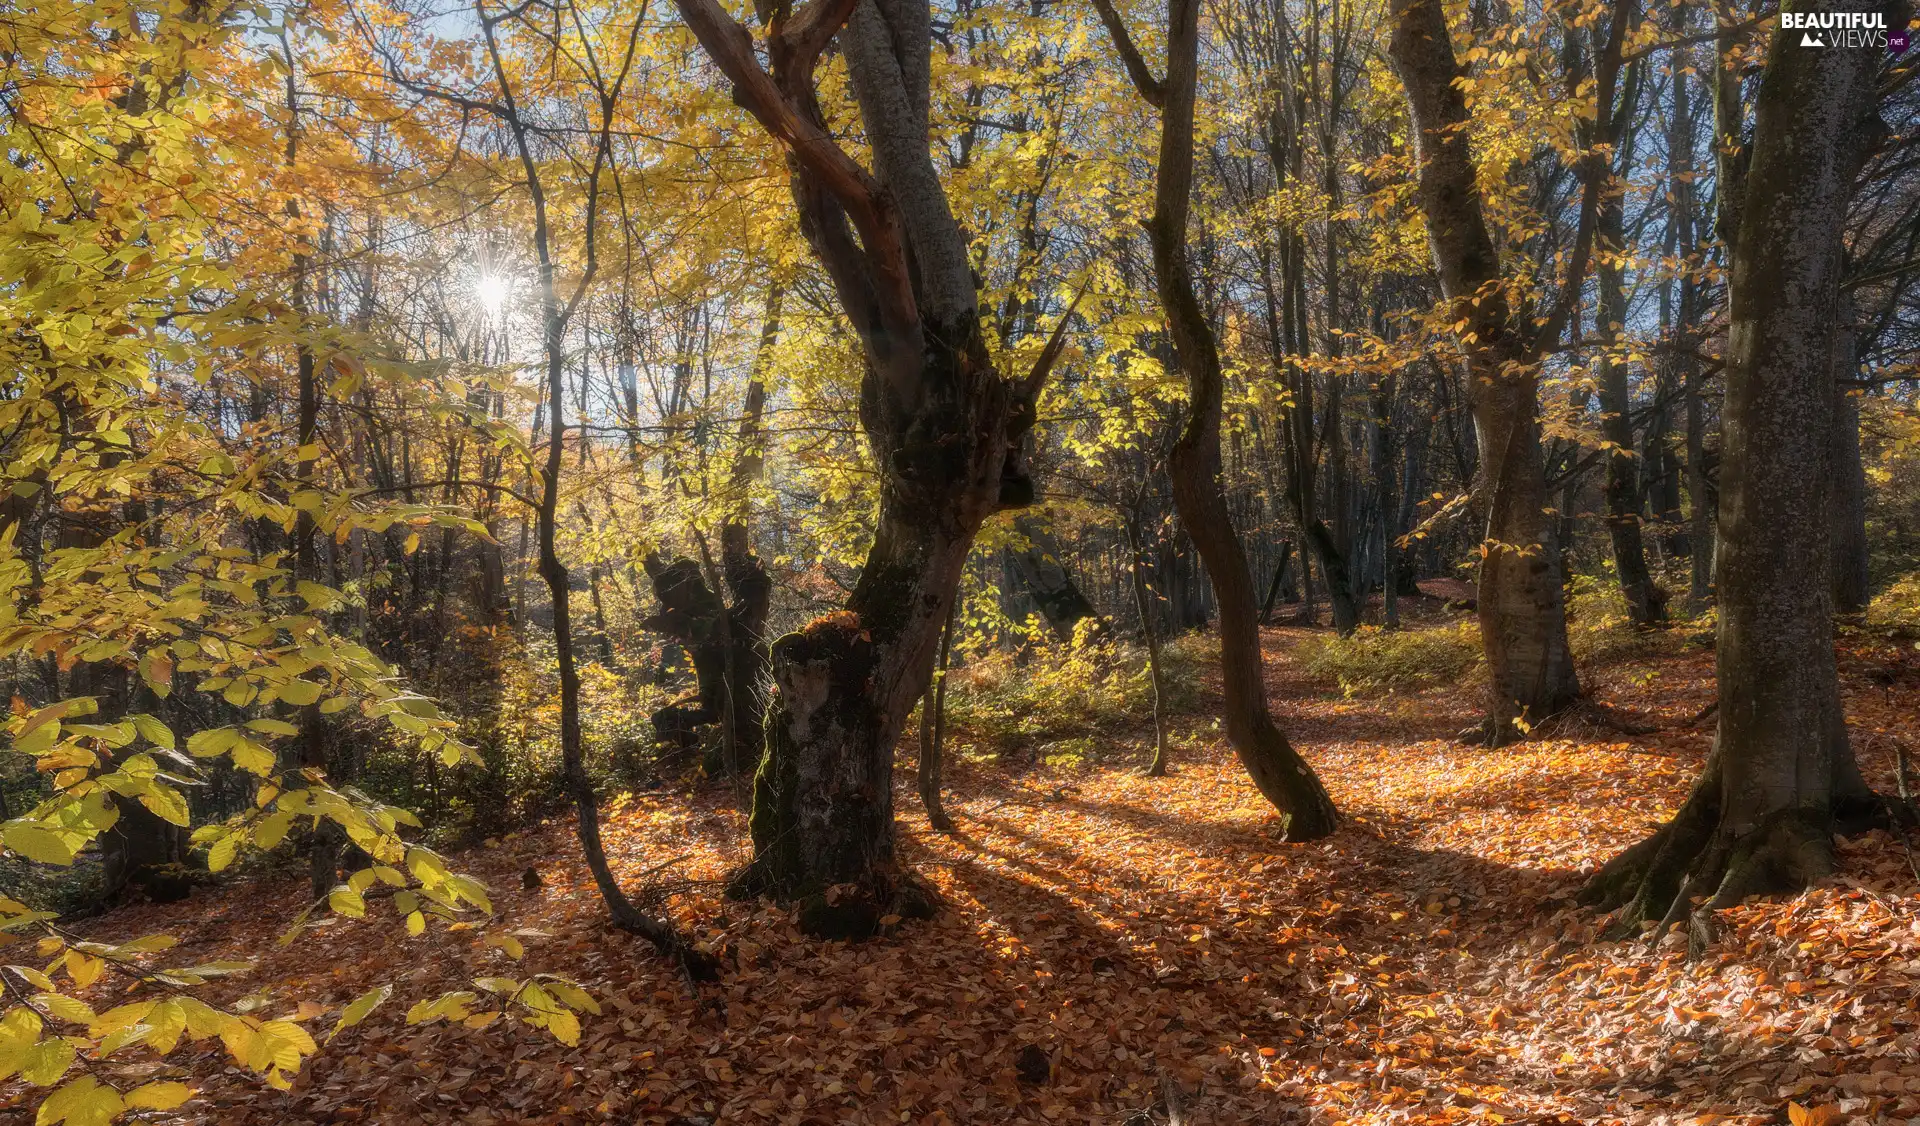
1138	562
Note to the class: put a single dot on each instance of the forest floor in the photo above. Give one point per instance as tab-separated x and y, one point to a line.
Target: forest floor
1425	964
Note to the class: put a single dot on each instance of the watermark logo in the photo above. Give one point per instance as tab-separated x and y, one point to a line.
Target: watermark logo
1844	29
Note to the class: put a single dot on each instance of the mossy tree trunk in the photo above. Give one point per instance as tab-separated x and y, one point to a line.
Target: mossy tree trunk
1782	777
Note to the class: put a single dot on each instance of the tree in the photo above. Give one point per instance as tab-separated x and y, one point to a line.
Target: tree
1522	609
1781	776
1193	464
942	426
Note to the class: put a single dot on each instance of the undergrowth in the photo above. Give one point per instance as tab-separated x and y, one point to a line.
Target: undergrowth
1898	606
1070	693
1376	661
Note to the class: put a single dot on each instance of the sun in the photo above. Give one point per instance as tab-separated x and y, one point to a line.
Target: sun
492	292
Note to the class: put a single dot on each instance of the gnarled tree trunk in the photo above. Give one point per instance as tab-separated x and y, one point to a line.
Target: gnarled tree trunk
942	425
1781	776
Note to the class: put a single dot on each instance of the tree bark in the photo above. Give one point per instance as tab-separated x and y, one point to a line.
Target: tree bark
1277	770
1646	602
1060	600
942	425
933	732
1282	584
1523	623
1781	777
1157	768
1847	512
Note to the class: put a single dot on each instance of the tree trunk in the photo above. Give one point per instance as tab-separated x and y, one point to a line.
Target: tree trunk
1039	566
1277	770
554	316
1157	768
1523	622
1282	584
1053	590
943	427
933	731
1847	512
822	821
1781	777
1646	602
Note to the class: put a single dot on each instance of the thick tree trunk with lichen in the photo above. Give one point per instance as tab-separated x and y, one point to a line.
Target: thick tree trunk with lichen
1523	622
1782	776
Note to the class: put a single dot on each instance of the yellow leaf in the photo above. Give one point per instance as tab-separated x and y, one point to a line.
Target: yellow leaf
66	1008
36	842
83	1102
565	1028
83	968
361	1007
158	1096
346	901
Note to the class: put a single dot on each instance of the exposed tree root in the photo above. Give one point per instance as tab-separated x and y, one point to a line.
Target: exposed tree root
1697	864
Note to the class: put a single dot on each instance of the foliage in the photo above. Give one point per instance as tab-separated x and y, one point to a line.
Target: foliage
1374	661
1051	691
173	653
1898	605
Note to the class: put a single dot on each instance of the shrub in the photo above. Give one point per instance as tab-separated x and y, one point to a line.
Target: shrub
1058	690
1374	660
1898	606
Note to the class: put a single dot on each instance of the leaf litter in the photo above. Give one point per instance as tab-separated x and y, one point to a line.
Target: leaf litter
1113	945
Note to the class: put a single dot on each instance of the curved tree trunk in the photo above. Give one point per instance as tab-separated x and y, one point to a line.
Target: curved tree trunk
1781	777
1523	620
1282	776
